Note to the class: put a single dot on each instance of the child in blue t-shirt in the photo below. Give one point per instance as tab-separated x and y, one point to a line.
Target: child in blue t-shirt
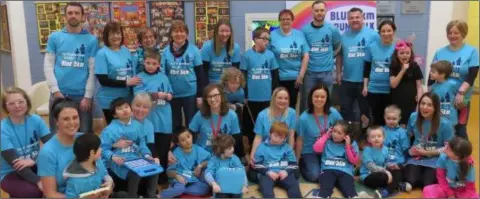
191	159
225	172
115	152
339	155
87	172
233	83
276	164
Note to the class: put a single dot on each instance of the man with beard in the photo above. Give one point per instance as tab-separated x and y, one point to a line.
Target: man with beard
324	41
69	65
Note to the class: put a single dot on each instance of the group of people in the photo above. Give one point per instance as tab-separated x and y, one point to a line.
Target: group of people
415	139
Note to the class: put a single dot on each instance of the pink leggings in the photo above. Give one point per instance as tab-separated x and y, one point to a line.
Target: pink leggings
435	191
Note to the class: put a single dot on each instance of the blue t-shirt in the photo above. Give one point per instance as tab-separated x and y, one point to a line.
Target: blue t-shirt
72	51
148	130
228	173
203	126
376	155
397	143
334	157
52	160
321	42
354	45
275	157
380	56
24	138
115	131
288	50
447	91
79	183
187	162
139	58
452	169
264	122
308	129
218	63
422	140
259	79
180	70
117	65
462	59
235	97
161	113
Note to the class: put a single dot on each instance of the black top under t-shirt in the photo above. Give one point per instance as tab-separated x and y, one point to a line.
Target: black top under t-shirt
404	95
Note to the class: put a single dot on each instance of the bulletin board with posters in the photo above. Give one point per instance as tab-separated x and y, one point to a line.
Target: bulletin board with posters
97	14
49	19
207	13
162	14
132	16
5	31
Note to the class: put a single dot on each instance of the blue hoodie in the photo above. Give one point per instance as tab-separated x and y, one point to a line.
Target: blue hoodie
275	158
80	180
228	173
187	162
397	143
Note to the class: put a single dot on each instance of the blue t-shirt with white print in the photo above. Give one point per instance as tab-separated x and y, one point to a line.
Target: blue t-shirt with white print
235	97
24	138
452	168
376	155
397	143
72	51
115	131
308	129
321	42
202	125
180	70
117	65
219	63
228	173
354	45
380	56
187	162
461	59
275	157
265	120
161	113
259	76
288	50
139	58
447	91
148	130
334	157
79	183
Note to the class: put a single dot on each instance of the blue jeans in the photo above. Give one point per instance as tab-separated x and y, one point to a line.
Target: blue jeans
310	167
311	79
86	120
189	105
336	178
290	184
176	189
351	92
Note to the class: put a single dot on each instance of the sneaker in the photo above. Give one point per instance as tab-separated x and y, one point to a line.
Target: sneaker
381	193
404	187
363	194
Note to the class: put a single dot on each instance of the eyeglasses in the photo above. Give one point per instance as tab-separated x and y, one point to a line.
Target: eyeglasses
17	103
213	96
264	38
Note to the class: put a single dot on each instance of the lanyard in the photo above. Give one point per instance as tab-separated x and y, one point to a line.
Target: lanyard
325	123
215	131
23	146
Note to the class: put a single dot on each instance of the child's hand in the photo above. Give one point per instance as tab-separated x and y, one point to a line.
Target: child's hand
347	140
156	160
272	175
122	143
244	189
162	95
169	96
389	176
180	179
171	158
405	66
393	166
232	106
118	160
198	170
215	188
282	174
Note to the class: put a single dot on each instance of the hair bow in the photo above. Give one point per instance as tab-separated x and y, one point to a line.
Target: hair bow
402	44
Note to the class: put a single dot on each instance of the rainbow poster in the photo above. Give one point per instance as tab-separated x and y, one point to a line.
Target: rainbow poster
337	12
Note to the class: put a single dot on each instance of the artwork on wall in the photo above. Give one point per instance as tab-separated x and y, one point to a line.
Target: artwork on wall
5	31
270	25
96	17
49	19
162	15
207	13
132	16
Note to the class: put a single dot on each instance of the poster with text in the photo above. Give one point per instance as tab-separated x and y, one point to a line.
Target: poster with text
207	14
4	29
337	13
49	19
96	17
133	16
162	14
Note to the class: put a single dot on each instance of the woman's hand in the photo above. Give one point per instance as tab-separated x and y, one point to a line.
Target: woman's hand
20	163
134	81
459	101
118	160
365	91
171	158
122	143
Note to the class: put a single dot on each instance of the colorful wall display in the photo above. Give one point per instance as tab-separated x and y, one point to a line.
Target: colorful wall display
132	16
49	19
270	25
97	15
162	15
5	31
207	13
336	14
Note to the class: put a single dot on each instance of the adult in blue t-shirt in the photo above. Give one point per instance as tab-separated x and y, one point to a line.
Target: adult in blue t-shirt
69	65
182	63
114	67
376	74
220	52
323	38
21	134
464	59
148	42
351	61
291	52
314	122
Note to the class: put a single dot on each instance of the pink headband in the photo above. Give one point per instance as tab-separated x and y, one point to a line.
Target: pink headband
401	45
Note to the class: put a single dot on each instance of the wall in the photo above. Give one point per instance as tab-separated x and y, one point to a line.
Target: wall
473	26
6	69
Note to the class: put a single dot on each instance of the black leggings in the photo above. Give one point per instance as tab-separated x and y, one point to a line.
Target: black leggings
420	176
162	145
380	179
227	195
292	91
248	122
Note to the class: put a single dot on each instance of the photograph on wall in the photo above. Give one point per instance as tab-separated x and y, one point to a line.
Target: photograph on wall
207	14
4	29
270	25
49	19
132	16
162	14
96	17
